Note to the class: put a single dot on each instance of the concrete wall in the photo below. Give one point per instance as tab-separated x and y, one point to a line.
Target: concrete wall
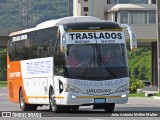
4	33
3	41
78	8
110	16
100	8
144	33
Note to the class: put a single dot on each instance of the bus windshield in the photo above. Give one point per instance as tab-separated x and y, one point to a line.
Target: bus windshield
96	61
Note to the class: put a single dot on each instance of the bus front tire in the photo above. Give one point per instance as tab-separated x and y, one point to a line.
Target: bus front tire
52	103
58	108
109	107
51	100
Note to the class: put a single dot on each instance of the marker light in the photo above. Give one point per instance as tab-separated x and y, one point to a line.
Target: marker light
73	96
124	95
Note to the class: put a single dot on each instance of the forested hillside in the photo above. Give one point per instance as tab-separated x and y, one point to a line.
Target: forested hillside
13	13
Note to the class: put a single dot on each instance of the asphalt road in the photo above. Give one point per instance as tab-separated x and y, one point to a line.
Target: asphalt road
134	104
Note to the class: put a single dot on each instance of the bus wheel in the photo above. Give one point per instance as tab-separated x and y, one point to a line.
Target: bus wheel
51	100
23	105
58	108
109	107
52	103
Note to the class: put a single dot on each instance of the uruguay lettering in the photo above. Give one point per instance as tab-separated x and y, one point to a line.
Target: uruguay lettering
98	90
80	36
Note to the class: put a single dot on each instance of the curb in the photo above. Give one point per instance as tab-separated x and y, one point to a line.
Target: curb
3	87
156	97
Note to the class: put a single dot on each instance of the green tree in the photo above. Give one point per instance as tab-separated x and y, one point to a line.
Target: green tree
3	64
140	64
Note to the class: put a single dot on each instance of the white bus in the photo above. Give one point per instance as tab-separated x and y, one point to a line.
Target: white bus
69	62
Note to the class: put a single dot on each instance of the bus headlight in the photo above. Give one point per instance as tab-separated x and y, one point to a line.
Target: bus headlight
68	88
123	88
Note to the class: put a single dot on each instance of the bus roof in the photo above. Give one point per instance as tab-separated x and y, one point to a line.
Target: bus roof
92	26
57	22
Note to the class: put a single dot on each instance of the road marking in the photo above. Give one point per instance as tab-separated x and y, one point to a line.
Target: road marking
95	119
3	94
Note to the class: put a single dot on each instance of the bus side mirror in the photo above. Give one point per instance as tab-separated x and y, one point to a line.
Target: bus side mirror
62	35
63	46
133	39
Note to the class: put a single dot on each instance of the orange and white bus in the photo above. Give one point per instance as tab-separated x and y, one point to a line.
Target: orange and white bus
39	72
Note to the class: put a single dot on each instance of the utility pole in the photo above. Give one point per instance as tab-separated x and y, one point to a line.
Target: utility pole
27	14
158	42
24	13
68	7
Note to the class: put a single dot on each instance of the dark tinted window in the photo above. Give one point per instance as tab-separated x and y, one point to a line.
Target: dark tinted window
127	1
85	9
38	44
59	59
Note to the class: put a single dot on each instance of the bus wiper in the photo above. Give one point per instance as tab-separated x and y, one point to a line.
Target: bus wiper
89	65
105	65
108	69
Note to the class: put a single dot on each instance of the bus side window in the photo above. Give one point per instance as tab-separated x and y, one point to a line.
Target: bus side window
26	49
51	41
11	50
21	50
33	51
45	47
40	41
59	59
16	52
25	52
40	51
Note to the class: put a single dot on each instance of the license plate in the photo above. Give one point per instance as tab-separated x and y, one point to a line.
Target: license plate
100	100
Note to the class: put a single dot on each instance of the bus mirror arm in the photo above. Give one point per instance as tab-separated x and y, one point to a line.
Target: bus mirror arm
133	39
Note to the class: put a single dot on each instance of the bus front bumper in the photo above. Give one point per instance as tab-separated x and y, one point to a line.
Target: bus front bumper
79	99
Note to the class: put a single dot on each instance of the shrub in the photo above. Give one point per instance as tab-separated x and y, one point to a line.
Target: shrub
134	85
3	64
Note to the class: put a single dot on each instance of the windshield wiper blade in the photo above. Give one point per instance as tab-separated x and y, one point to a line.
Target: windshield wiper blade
107	68
89	65
105	65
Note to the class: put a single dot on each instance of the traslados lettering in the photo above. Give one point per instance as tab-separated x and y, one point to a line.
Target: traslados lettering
80	36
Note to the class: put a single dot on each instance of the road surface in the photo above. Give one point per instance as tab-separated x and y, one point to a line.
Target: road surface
134	104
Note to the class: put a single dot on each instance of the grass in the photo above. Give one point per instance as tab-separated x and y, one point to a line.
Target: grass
136	95
157	94
3	83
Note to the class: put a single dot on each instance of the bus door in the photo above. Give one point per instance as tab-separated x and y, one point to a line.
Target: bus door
58	89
